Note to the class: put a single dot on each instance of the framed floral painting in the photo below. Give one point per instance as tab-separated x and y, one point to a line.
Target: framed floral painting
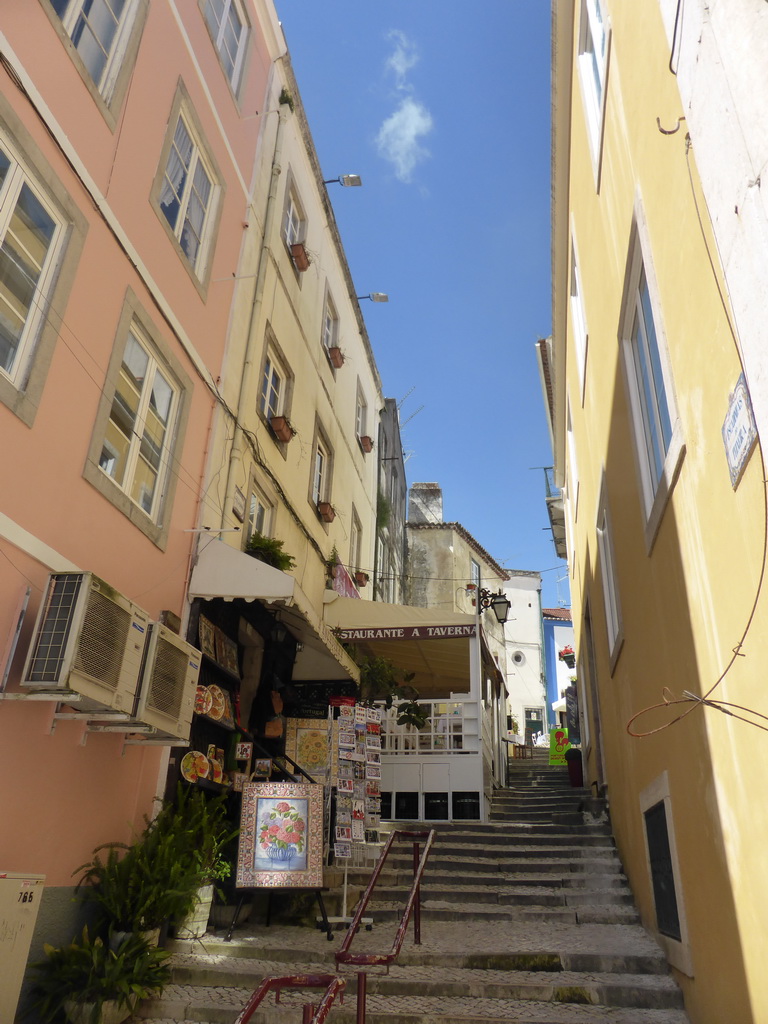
281	836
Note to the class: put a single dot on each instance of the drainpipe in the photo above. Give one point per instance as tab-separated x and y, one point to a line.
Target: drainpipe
247	383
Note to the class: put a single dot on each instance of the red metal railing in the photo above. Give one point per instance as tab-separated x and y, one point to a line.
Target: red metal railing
332	984
412	906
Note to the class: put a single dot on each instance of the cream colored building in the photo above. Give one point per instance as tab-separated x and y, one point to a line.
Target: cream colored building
295	456
662	470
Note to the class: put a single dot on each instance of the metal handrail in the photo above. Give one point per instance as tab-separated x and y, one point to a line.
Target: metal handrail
332	984
413	905
343	956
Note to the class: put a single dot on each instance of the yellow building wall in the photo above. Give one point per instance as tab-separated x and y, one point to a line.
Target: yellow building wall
687	602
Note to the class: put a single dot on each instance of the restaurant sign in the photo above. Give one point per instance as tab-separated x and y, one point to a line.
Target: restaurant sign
408	632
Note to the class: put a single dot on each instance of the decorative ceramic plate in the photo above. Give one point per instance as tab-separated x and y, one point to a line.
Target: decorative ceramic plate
218	703
195	765
203	700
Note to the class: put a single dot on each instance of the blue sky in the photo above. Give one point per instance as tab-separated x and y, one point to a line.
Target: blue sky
443	109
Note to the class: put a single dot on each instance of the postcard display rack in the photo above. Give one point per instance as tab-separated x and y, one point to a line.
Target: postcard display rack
354	795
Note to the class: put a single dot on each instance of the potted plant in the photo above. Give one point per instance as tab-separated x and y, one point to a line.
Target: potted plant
360	577
335	356
269	550
326	511
366	443
566	654
138	889
205	826
300	256
94	984
282	428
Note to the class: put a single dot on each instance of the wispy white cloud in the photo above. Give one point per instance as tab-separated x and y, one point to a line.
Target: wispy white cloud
400	136
403	58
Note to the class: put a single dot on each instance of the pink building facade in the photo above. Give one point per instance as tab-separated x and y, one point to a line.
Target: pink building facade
127	154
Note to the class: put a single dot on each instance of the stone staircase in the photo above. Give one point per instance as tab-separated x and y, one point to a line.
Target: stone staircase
526	918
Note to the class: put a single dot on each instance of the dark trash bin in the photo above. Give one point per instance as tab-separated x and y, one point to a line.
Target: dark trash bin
575	767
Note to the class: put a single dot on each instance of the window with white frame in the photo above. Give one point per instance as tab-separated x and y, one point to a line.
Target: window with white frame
474	572
32	232
260	514
273	387
294	222
330	325
361	414
228	26
140	424
657	433
188	191
573	469
136	447
355	541
608	573
99	31
593	63
578	319
321	471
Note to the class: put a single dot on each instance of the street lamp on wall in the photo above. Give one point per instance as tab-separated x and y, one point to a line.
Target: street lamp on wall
499	603
347	180
374	297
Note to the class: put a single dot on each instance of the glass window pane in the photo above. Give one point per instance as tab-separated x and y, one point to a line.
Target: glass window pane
144	484
135	362
5	163
114	453
176	172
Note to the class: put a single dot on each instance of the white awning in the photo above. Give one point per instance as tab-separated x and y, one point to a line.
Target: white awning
224	572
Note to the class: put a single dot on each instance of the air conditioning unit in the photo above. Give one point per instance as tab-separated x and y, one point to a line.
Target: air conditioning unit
166	697
88	640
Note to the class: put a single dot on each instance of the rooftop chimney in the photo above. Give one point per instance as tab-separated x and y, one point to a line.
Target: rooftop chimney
425	503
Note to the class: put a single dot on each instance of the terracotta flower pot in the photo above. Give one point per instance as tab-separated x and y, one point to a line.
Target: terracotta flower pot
326	511
300	256
366	443
360	578
282	428
336	356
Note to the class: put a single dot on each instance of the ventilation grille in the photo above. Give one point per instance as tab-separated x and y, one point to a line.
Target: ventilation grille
168	678
53	634
103	639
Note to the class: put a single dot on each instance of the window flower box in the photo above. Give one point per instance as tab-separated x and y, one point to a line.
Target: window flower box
300	256
335	356
566	654
366	443
281	427
326	511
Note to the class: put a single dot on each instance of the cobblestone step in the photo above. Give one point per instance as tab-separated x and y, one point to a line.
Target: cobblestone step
221	1006
611	989
240	954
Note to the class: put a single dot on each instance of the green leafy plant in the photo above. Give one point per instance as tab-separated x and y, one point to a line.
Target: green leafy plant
90	972
381	679
270	550
410	712
383	511
141	887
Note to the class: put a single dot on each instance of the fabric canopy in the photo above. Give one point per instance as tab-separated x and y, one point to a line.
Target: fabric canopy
438	655
224	572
